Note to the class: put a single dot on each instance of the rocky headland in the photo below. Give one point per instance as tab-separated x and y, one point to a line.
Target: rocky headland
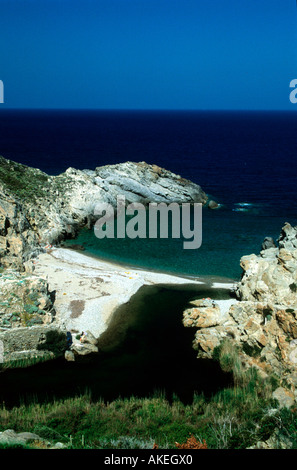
47	291
37	209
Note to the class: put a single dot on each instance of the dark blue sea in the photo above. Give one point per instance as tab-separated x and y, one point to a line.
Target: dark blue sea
244	160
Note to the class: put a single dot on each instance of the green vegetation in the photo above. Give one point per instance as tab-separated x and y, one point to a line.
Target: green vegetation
229	357
293	287
29	184
252	351
25	362
234	418
24	182
290	310
20	301
15	445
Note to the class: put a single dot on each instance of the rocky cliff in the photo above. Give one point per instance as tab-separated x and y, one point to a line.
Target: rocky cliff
37	209
262	321
27	319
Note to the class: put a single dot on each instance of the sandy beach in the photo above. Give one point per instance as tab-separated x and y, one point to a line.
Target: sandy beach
88	290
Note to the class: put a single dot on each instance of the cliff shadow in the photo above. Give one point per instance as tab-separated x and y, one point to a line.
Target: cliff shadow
146	349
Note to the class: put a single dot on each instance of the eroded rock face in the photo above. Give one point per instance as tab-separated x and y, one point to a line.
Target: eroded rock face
25	300
36	342
262	321
204	314
140	182
272	276
17	236
37	209
27	316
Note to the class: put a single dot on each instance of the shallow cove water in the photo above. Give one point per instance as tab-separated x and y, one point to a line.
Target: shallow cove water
146	349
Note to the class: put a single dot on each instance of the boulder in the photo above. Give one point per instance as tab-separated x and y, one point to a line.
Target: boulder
213	205
69	356
11	437
87	344
203	316
80	349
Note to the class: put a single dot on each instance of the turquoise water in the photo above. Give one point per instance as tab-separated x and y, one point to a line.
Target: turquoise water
245	160
227	235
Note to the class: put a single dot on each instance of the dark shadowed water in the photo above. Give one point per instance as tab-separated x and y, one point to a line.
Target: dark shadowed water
145	350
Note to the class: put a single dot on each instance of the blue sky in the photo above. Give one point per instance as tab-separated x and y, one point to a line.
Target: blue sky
148	54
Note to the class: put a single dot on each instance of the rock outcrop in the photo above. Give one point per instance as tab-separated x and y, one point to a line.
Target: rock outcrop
271	277
262	321
213	205
13	439
27	329
37	209
83	346
18	238
25	300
